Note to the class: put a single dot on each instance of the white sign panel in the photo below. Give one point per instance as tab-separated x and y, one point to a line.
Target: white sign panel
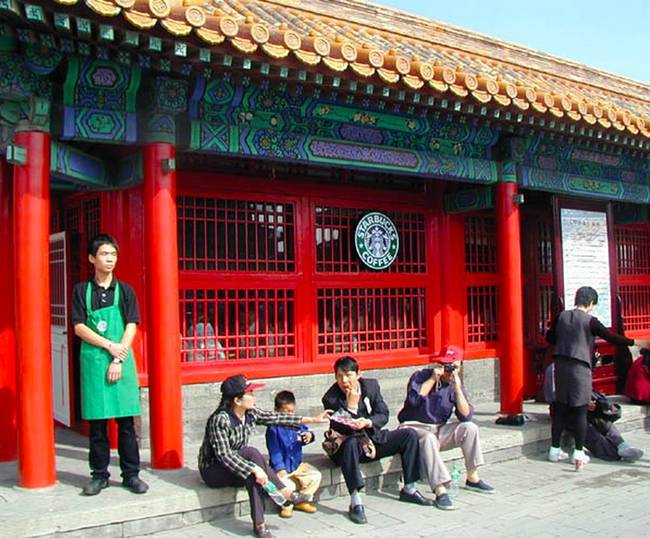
585	256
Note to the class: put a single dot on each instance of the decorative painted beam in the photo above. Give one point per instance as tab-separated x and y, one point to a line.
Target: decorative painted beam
99	101
265	122
163	99
589	187
469	200
73	166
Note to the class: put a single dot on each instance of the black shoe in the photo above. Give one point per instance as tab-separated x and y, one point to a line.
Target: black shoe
95	486
135	485
262	531
416	498
358	514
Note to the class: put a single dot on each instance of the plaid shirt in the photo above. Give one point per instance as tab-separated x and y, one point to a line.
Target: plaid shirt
225	435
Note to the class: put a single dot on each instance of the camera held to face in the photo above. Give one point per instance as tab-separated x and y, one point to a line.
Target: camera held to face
449	367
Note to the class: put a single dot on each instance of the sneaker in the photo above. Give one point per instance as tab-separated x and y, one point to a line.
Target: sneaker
286	511
579	459
481	487
557	454
584	458
629	453
306	507
95	486
444	502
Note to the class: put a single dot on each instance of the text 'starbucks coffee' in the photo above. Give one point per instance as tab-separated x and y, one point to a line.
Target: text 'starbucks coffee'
376	240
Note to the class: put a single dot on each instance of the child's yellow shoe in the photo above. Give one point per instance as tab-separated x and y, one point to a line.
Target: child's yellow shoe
286	511
306	507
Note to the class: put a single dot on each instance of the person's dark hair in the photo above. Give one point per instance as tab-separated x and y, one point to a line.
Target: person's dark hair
346	364
585	296
99	240
284	397
226	402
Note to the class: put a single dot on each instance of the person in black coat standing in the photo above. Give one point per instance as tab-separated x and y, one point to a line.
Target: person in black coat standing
361	401
574	333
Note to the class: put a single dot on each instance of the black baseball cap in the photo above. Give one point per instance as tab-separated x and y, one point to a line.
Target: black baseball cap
238	384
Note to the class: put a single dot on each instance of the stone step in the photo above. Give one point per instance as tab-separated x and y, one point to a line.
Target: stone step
200	400
179	498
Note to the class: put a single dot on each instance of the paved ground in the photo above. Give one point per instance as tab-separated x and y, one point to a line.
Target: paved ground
535	499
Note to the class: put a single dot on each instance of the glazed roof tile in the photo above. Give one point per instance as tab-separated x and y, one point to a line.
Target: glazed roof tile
401	49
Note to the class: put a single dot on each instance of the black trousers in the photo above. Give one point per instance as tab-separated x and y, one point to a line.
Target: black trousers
217	476
403	442
570	418
100	450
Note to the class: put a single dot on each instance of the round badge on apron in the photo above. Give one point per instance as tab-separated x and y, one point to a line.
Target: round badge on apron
102	326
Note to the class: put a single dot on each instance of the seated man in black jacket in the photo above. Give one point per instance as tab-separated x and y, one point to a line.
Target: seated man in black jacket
362	399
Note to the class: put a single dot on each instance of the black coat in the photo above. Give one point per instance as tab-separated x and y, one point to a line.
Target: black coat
371	406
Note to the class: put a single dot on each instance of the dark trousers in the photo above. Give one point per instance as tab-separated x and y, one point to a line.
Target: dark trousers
603	444
217	476
570	418
403	442
100	450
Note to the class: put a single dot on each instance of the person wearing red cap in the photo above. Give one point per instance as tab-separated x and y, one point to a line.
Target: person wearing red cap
225	459
432	395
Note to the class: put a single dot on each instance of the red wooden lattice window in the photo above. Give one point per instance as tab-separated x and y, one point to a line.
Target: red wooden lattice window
57	283
335	250
481	314
544	275
480	245
633	263
91	217
235	235
237	324
229	309
377	311
481	280
353	320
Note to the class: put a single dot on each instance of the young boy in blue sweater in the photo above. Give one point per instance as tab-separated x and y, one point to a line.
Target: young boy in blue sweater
285	450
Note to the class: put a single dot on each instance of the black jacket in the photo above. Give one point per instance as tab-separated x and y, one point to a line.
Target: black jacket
371	406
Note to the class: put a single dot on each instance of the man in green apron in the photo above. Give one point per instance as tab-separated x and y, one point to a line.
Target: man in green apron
105	316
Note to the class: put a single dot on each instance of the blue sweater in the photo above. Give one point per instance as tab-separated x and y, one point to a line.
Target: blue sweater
434	408
285	447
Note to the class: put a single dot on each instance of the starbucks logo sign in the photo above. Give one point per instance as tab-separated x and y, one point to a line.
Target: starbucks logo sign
376	240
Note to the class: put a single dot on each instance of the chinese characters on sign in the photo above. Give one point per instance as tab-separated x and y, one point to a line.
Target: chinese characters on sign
585	257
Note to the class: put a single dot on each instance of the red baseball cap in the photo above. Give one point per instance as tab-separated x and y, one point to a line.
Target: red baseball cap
449	354
238	384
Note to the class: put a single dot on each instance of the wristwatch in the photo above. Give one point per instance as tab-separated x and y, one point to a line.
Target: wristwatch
117	360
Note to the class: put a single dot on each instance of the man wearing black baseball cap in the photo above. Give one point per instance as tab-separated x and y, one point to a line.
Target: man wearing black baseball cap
225	459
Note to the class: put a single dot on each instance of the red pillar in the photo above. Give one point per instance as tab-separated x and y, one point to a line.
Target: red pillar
8	447
35	420
163	323
511	326
454	301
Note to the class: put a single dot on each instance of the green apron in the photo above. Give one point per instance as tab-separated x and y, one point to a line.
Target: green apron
99	398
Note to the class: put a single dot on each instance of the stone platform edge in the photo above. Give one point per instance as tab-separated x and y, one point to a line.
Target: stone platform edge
194	503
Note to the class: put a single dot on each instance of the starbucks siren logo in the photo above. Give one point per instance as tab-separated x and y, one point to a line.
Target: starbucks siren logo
376	240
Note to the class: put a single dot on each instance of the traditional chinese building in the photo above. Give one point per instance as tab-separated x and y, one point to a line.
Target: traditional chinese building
235	148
